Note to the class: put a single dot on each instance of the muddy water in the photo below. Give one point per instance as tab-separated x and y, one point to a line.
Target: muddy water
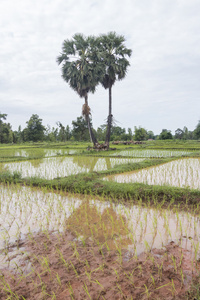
53	167
25	211
179	173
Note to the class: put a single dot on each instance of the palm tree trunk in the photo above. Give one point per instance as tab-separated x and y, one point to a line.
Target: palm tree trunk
92	137
109	120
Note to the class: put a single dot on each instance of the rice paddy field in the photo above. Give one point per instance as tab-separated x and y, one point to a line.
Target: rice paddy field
119	224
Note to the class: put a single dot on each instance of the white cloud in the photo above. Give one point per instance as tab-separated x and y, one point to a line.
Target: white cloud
161	89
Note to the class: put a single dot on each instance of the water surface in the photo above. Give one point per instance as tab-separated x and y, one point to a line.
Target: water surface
179	173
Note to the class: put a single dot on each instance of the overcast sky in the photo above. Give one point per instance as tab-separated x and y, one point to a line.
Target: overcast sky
162	86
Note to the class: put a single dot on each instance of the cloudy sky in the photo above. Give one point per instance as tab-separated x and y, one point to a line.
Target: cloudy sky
162	87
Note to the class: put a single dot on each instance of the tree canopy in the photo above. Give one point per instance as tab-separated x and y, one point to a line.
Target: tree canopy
81	70
34	130
88	61
113	55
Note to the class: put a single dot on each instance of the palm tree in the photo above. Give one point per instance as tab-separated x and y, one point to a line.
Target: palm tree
81	71
113	55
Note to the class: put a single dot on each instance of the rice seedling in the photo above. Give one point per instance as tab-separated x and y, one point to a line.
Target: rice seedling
54	167
76	243
152	153
179	173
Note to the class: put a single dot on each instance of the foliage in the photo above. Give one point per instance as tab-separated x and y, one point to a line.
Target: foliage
179	134
140	134
80	70
34	130
6	134
197	131
165	135
80	129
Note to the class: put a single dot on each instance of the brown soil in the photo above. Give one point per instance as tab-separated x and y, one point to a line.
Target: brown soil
65	268
90	260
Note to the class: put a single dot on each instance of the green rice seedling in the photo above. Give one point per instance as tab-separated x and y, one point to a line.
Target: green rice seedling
73	267
173	289
129	278
97	282
147	246
116	273
181	260
160	270
62	258
148	294
45	264
70	290
86	290
182	277
120	291
174	263
7	289
196	250
153	280
75	251
58	279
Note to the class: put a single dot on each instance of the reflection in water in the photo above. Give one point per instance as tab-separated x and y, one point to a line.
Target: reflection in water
86	162
101	223
53	167
36	152
180	173
100	164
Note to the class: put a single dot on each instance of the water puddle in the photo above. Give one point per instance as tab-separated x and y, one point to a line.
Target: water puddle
53	167
180	173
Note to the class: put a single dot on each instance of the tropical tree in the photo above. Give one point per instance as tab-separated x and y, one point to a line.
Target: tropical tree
81	70
113	57
140	134
197	131
179	134
34	130
165	135
6	133
80	129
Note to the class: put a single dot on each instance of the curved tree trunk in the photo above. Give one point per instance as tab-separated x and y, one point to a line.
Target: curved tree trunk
110	118
92	137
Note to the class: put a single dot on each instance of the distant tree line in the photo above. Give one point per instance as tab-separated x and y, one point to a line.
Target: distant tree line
78	131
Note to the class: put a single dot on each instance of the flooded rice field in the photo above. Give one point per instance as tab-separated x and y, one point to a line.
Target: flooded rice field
36	152
53	167
25	211
152	153
179	173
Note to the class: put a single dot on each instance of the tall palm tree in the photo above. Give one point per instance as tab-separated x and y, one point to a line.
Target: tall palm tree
81	71
113	55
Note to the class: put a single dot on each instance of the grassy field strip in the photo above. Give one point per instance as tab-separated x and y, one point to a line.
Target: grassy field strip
179	173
